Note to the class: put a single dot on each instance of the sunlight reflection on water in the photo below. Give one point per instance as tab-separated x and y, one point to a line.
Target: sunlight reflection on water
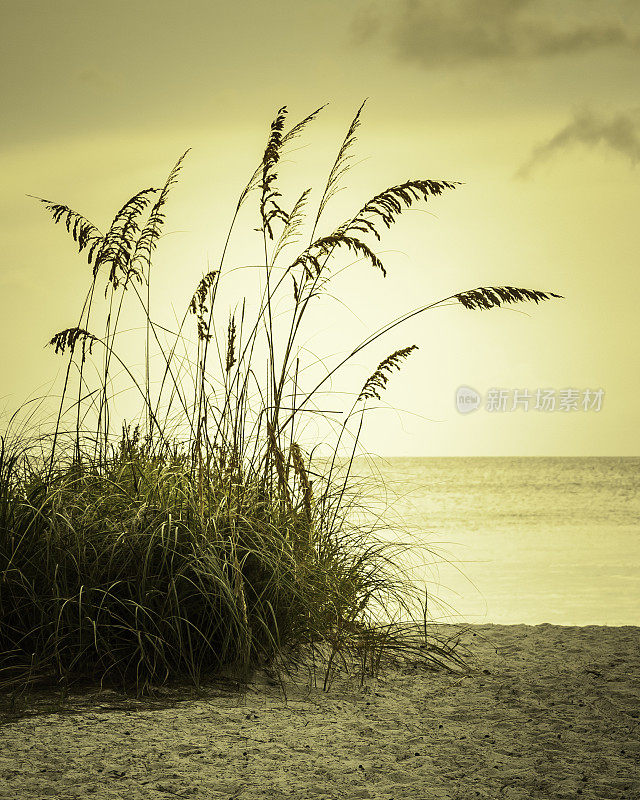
533	540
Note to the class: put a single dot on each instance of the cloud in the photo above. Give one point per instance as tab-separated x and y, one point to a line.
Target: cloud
621	134
463	32
365	24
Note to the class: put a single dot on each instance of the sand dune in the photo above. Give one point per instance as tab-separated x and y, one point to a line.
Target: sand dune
543	712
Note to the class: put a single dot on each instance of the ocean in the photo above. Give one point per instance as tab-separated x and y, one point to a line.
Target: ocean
523	540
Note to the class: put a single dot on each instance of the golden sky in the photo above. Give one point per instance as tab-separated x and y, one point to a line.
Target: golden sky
532	105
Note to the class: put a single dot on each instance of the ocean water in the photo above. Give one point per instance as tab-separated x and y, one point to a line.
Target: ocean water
524	540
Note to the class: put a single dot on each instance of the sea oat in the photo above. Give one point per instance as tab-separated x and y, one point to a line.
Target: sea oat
378	381
393	201
269	208
68	339
231	344
494	296
197	305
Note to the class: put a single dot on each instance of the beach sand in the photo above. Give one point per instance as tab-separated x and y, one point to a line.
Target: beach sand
542	712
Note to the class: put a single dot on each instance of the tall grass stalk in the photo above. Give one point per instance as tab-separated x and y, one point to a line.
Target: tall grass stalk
209	536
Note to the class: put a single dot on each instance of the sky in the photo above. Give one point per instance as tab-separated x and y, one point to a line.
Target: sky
533	107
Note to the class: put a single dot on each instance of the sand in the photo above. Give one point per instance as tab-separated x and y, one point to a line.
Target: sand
543	712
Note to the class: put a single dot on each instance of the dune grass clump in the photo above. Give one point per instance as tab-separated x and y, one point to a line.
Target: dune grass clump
207	538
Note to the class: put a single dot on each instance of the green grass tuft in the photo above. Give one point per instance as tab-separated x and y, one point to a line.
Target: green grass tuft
208	539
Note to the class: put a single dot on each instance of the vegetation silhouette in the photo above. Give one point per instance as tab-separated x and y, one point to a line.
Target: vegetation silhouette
208	538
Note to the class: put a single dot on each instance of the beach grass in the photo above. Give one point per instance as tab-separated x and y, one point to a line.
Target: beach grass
208	537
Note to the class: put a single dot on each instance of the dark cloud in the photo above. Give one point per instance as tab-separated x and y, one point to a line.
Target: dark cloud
620	134
365	24
437	33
